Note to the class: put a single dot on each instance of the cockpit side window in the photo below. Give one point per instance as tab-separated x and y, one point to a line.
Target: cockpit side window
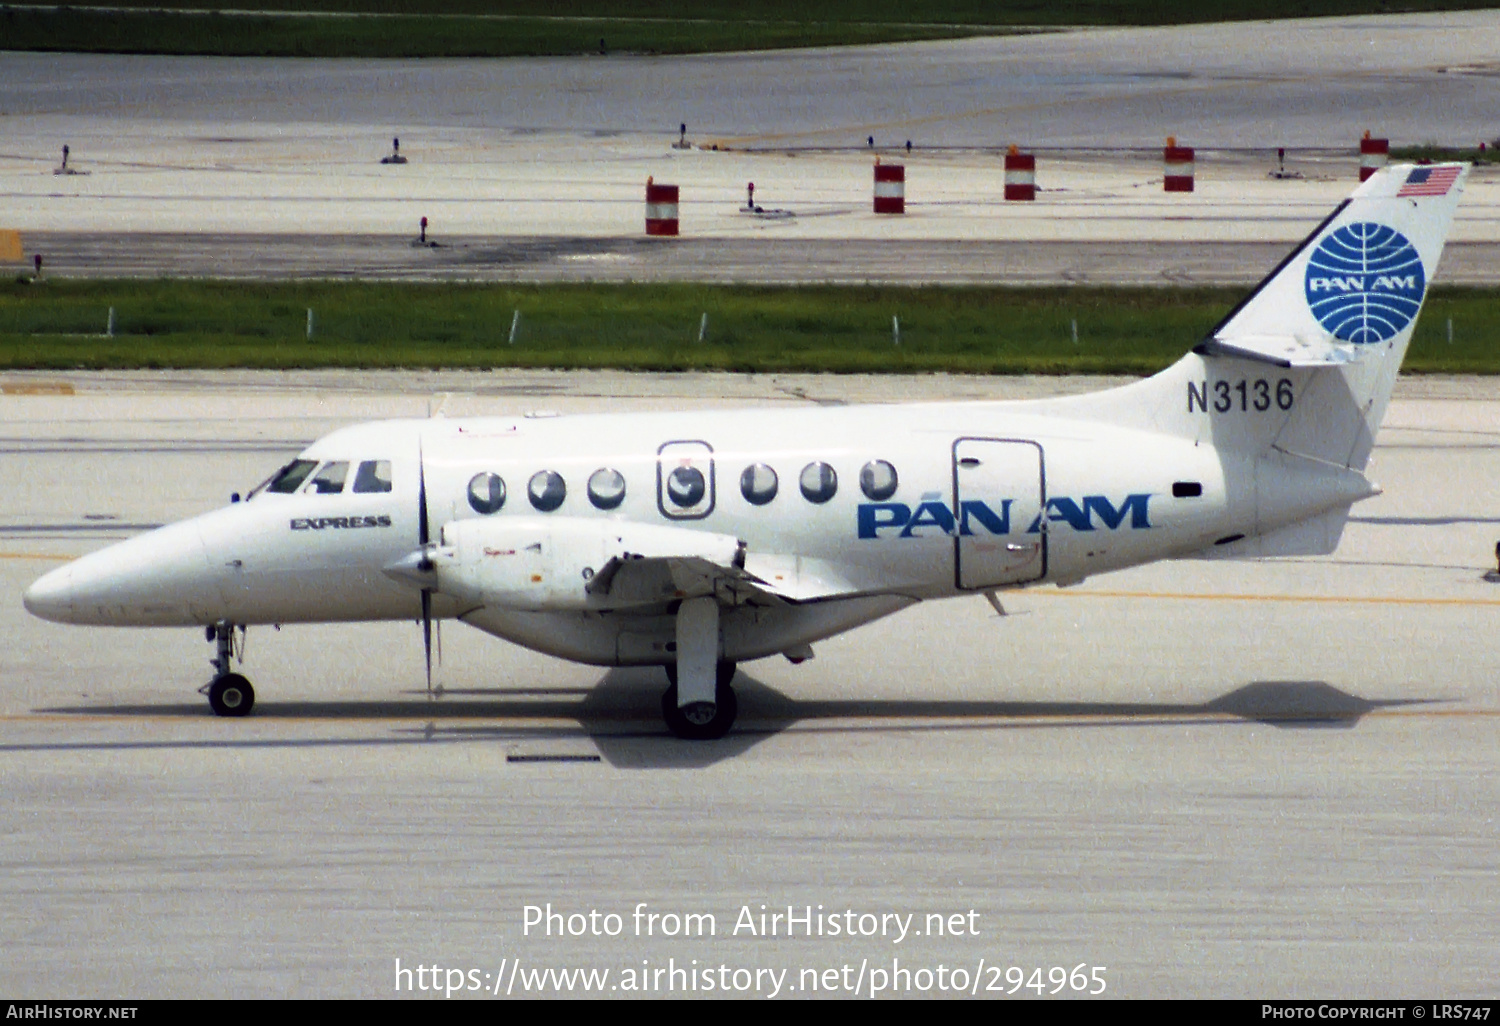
373	476
330	480
290	477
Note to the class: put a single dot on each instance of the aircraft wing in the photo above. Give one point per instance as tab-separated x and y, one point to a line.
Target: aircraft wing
633	579
584	563
765	579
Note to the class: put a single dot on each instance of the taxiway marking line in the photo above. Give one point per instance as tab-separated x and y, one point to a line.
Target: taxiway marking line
1333	599
36	555
36	388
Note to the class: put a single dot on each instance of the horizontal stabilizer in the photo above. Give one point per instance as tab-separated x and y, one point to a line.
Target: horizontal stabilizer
1284	350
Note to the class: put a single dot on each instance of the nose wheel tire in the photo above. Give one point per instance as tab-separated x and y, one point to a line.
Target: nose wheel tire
701	721
231	695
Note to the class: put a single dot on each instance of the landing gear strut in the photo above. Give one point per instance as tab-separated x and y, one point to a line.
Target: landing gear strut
702	721
700	705
229	693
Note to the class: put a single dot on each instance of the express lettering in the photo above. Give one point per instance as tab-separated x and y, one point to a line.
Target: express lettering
338	523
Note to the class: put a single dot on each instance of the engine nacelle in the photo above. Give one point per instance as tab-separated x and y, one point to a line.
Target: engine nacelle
547	563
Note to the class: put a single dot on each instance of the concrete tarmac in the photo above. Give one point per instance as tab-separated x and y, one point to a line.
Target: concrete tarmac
1258	780
1199	779
535	169
1299	83
745	261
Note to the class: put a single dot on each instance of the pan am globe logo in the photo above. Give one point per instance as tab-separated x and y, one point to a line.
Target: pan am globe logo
1365	283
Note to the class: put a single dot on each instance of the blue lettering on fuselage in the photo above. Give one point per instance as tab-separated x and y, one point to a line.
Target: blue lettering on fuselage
938	517
1081	518
929	514
875	515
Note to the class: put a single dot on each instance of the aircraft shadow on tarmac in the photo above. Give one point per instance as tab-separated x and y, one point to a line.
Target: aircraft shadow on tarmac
1423	521
621	718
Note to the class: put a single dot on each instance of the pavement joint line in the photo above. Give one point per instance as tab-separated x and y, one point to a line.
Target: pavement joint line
1332	599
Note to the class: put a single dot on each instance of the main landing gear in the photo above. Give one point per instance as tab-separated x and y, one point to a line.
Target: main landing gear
229	693
700	705
702	721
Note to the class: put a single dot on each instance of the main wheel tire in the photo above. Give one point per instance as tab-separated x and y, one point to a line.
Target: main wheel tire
231	695
723	673
692	728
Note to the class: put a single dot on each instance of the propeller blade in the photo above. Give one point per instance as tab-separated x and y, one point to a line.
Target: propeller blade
427	634
422	539
422	530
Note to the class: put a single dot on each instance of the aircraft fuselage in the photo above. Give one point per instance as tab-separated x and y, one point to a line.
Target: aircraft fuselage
848	513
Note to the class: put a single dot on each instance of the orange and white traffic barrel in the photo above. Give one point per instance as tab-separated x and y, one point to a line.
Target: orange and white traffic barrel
1177	164
890	188
1373	154
661	208
1020	175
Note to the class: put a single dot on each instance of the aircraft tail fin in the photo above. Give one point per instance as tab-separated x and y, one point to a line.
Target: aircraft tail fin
1355	286
1344	305
1306	363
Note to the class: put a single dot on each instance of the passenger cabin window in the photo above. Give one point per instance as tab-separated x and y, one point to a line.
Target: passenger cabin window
330	480
686	486
818	482
606	488
290	477
373	476
877	479
547	490
758	484
486	493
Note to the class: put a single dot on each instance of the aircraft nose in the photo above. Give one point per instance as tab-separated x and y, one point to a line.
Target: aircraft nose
51	595
157	579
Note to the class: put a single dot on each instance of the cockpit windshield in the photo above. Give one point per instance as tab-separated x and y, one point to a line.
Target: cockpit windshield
288	478
330	480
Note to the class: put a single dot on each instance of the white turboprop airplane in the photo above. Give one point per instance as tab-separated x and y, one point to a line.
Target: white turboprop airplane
698	540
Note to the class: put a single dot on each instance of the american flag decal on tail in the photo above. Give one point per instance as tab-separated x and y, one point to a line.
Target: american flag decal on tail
1430	181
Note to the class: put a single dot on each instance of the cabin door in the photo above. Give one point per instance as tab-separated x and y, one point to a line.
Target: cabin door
999	492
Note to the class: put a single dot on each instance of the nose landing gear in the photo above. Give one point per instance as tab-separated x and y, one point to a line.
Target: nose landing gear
229	693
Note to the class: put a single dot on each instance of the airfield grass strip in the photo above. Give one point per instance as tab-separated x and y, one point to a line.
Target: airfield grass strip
468	28
904	12
61	324
409	36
